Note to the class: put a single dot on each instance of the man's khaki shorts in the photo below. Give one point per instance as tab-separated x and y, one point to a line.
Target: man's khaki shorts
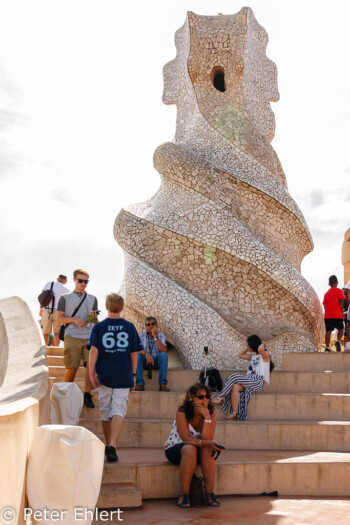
50	325
74	351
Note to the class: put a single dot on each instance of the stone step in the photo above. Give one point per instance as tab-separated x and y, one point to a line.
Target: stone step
315	407
308	382
59	371
291	473
316	362
54	360
180	380
291	361
54	350
119	495
276	407
173	356
286	407
274	435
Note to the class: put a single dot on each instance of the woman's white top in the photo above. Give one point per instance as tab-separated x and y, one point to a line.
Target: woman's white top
259	367
174	437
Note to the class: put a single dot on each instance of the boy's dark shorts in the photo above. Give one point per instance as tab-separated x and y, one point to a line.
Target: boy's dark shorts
333	324
173	454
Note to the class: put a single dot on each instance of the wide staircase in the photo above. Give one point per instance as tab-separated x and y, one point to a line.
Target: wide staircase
296	440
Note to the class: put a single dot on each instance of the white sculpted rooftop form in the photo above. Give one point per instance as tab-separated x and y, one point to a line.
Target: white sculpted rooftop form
215	255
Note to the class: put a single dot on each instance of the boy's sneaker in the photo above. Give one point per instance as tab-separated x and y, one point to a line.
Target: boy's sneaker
88	402
327	349
111	455
337	346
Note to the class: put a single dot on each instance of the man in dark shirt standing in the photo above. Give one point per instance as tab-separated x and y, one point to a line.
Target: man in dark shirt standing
78	331
113	357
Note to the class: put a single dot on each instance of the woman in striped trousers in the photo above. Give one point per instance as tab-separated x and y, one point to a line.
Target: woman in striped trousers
238	388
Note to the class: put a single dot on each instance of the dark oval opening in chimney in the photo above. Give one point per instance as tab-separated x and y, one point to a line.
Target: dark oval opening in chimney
218	78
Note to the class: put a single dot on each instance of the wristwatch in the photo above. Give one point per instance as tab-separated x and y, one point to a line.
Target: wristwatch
155	338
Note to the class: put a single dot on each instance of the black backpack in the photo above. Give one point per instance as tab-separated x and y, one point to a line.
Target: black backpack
46	296
212	380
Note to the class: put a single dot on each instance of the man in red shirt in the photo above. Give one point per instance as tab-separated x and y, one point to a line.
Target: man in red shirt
333	303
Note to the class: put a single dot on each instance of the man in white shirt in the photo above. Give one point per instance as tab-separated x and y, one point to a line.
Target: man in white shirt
347	318
49	312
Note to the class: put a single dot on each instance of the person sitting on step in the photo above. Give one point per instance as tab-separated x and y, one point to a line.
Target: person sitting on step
154	355
191	442
239	388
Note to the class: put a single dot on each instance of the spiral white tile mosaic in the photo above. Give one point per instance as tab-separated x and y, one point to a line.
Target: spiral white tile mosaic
215	255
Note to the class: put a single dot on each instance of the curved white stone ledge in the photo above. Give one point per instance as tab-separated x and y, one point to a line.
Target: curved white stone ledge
26	378
24	397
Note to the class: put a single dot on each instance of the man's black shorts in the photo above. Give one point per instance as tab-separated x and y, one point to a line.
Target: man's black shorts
333	324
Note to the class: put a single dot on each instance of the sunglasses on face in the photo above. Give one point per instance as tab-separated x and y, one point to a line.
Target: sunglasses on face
85	281
150	324
202	396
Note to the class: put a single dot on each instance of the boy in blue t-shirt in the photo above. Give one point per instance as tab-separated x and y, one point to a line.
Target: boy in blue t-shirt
113	361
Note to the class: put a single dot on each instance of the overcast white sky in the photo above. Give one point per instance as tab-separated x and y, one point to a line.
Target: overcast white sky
81	115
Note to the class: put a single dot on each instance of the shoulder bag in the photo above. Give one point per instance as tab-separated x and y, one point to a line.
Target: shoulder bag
64	326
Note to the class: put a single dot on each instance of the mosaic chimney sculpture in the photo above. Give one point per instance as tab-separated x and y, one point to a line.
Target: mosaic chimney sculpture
215	255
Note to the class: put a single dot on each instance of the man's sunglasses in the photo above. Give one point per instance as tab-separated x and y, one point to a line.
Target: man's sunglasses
83	281
150	324
202	396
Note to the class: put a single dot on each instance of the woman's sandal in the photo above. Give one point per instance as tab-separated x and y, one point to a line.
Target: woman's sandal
234	415
185	502
212	501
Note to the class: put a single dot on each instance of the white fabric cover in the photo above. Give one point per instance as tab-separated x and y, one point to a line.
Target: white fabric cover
64	472
66	402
